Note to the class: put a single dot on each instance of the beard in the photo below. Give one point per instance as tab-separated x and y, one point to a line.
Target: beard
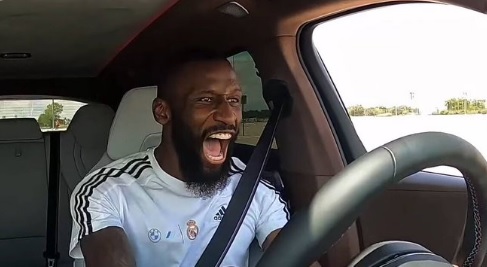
202	180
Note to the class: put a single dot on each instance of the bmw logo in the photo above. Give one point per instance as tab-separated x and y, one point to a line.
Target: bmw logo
154	235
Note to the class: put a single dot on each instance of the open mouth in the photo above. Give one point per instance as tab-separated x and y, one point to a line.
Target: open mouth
215	147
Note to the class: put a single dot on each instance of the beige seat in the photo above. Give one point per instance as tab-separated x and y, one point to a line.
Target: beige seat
134	128
81	147
23	193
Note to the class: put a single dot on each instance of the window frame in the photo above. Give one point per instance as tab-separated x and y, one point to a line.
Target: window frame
347	137
318	75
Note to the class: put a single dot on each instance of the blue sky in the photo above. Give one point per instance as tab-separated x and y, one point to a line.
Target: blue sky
376	57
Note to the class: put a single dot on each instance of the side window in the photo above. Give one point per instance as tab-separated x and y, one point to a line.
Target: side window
51	114
255	110
409	68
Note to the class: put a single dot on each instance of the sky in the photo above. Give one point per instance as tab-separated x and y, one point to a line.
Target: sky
378	56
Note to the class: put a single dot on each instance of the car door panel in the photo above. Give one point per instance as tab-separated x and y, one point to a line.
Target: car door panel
426	208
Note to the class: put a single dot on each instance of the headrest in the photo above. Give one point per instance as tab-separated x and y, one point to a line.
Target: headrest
134	128
19	129
91	124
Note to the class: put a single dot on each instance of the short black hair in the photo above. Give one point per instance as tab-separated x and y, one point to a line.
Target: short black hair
176	62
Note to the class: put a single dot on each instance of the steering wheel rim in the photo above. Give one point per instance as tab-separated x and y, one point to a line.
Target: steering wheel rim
337	205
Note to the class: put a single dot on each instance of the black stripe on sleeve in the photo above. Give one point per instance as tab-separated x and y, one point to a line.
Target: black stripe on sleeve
83	217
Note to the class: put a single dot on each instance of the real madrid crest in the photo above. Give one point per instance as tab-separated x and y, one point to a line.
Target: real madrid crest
192	230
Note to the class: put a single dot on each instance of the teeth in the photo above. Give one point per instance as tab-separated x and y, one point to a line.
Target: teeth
219	157
222	136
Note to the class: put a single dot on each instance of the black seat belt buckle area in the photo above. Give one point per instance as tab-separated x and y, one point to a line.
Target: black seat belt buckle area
51	253
51	260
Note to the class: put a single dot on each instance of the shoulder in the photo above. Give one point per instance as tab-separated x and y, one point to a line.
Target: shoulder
125	165
266	191
237	166
267	199
120	172
265	188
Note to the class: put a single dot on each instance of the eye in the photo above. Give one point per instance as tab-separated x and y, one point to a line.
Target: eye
205	99
233	100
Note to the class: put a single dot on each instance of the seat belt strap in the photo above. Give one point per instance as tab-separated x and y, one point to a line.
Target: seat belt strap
240	202
51	254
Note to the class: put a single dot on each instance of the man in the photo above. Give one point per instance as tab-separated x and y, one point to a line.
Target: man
162	207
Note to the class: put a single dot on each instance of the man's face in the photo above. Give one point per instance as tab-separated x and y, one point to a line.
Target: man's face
204	123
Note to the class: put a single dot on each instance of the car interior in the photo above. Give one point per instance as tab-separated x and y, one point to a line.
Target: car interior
108	54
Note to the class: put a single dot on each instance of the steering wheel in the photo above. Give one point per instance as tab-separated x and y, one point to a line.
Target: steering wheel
337	205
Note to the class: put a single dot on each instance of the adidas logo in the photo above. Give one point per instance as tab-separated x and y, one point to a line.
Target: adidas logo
220	213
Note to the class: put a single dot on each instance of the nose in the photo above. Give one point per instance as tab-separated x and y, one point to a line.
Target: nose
224	113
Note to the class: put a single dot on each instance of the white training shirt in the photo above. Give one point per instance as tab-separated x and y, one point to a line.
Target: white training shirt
165	223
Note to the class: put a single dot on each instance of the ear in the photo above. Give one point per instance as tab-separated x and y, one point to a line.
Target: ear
161	111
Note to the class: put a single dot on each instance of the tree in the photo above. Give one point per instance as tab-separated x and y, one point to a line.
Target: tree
51	114
463	106
357	110
67	122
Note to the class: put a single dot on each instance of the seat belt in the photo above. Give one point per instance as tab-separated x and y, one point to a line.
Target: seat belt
51	254
279	101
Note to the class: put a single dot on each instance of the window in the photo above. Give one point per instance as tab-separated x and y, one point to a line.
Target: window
255	109
410	68
52	114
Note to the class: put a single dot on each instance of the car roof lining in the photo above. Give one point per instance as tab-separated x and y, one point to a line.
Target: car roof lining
134	65
45	29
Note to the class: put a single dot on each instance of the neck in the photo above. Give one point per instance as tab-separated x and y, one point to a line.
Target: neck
164	154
